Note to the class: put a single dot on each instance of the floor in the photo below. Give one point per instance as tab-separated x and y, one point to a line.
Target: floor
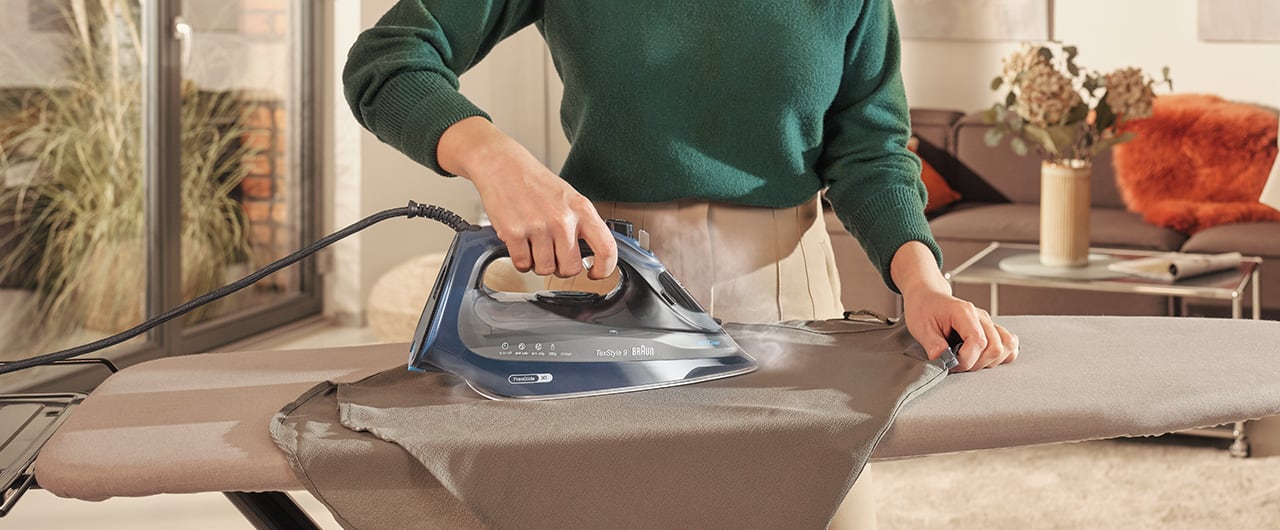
205	511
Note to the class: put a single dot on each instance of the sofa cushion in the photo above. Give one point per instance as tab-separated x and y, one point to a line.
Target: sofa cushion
1020	223
1250	239
933	128
939	192
997	174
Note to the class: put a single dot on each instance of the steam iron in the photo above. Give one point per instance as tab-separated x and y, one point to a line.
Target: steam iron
646	333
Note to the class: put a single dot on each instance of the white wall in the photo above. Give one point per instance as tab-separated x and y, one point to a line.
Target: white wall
1146	33
27	58
369	176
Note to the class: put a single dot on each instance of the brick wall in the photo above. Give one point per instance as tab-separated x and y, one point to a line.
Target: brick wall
265	191
264	19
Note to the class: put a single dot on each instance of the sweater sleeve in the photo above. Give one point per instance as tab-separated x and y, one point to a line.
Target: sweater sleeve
401	76
873	179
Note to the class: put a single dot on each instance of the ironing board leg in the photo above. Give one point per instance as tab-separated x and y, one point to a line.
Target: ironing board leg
270	511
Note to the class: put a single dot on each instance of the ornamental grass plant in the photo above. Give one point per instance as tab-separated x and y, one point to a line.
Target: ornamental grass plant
72	155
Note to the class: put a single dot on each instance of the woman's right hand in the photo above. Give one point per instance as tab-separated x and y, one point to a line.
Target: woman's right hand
536	213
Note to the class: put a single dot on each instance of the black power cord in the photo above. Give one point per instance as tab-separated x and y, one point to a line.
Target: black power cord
411	211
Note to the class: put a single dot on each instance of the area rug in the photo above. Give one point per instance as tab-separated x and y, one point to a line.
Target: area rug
1164	483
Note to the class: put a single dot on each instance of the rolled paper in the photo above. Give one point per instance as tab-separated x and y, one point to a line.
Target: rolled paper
1174	266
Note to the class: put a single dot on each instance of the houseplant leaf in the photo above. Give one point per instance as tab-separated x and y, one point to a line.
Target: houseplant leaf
1040	136
1107	143
1019	146
993	136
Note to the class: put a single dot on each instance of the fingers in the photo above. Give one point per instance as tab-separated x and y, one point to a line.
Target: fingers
518	249
600	239
530	250
568	255
1012	345
934	345
934	315
554	249
970	328
995	351
1002	345
544	253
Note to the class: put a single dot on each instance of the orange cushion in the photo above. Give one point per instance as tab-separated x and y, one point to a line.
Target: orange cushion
940	193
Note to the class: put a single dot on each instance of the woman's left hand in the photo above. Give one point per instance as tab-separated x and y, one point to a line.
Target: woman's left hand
932	313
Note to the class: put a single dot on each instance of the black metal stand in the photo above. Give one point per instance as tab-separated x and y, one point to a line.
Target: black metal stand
271	511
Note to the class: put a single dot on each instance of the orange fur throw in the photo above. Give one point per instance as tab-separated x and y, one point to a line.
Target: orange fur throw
1197	162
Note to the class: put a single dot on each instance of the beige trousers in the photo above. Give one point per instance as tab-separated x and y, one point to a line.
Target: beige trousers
745	264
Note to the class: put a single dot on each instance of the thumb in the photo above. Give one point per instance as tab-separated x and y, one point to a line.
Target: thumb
934	343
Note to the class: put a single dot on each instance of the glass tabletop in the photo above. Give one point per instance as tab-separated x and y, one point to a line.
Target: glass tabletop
985	267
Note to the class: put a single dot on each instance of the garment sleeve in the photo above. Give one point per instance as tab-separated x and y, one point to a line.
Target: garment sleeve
873	180
401	76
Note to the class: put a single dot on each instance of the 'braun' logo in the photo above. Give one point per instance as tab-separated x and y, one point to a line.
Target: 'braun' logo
525	379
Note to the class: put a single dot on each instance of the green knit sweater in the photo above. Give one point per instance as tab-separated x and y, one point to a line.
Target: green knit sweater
757	102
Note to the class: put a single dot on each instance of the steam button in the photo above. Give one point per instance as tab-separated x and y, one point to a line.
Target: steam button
622	227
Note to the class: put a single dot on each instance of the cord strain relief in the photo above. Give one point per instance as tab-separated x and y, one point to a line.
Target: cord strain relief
453	220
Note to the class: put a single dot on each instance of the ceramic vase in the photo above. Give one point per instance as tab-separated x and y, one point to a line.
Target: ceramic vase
1064	213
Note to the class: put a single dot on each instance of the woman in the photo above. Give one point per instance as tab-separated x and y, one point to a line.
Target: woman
712	125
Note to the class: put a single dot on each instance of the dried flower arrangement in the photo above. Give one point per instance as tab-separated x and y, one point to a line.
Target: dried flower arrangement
1068	113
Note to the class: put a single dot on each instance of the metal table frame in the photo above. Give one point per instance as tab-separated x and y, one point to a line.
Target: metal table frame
1207	287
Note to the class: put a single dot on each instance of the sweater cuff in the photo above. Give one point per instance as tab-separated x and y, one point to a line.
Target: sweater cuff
415	110
884	222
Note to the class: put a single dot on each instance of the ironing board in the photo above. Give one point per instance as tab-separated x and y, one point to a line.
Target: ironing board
199	423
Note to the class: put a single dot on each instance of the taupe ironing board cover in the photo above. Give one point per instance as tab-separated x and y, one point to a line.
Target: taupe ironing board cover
777	448
198	423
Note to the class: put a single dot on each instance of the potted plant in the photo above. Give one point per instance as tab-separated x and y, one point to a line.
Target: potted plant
76	211
1067	115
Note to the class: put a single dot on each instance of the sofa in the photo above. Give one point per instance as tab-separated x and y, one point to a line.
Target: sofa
999	201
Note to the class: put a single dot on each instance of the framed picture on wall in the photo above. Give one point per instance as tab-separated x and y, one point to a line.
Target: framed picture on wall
1239	20
974	20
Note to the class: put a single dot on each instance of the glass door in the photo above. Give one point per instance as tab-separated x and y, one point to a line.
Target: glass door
246	198
73	249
